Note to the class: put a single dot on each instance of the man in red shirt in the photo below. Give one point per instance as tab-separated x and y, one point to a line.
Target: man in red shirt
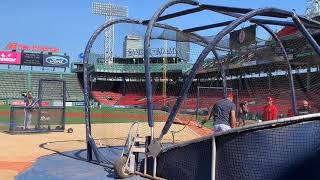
270	111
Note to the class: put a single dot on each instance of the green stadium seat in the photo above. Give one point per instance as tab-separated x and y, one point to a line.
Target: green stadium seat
13	83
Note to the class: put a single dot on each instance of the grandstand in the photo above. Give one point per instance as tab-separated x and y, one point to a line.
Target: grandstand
255	72
14	83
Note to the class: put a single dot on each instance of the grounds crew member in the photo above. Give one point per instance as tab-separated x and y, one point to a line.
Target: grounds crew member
224	113
270	111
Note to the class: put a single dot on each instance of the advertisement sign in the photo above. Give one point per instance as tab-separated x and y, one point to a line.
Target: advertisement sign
32	59
10	57
34	48
45	103
79	103
2	102
154	52
250	63
68	104
18	103
55	61
242	37
57	103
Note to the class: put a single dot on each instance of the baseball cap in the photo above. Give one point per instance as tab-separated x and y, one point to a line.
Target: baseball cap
269	99
243	103
231	95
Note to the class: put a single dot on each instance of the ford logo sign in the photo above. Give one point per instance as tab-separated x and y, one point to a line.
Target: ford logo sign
56	60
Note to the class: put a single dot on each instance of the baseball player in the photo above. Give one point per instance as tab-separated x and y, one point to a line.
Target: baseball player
270	111
224	113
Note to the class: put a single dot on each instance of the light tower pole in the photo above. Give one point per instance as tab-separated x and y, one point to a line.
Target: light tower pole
313	9
110	11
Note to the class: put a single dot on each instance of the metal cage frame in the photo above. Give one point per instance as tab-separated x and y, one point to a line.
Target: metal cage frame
241	15
64	97
40	108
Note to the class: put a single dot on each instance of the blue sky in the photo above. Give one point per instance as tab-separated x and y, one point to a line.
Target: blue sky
68	24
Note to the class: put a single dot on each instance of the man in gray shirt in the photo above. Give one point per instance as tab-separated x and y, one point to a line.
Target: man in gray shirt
224	112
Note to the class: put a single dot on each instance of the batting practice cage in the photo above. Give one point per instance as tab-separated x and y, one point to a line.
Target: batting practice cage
160	83
46	113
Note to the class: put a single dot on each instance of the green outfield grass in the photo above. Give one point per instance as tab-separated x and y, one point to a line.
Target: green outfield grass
4	119
209	124
107	110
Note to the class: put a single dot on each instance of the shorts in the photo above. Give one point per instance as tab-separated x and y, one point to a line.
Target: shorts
221	127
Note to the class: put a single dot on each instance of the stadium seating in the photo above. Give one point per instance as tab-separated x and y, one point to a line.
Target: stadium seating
106	98
35	77
14	83
139	68
74	89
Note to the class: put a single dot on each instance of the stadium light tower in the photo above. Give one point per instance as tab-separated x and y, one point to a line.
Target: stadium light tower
313	9
110	11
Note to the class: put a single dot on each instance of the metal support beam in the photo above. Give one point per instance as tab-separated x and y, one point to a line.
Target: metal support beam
210	26
219	9
213	158
177	14
308	77
203	55
306	34
277	13
223	74
308	24
285	55
147	40
87	71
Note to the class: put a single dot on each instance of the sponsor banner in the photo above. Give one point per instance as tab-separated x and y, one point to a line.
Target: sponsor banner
250	63
10	57
55	61
2	102
154	52
79	103
119	106
37	48
18	103
32	59
45	103
69	104
242	37
57	103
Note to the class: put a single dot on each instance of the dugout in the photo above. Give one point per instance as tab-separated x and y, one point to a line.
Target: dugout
47	112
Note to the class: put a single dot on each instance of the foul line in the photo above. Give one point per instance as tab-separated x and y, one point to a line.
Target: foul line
188	127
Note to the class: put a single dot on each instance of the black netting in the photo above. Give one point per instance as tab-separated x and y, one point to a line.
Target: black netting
52	90
282	151
207	97
255	72
42	119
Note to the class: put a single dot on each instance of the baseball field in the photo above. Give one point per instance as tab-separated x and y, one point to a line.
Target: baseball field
110	126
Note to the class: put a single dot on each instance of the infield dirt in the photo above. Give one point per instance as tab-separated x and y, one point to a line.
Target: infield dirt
20	151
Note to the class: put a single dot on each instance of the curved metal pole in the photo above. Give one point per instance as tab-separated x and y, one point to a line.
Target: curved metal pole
201	58
223	74
147	38
86	80
285	55
86	73
305	32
